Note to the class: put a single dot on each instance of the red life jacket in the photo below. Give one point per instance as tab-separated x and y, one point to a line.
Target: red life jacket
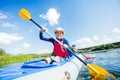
59	51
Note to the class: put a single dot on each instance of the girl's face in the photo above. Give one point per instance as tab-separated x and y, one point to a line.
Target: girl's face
59	34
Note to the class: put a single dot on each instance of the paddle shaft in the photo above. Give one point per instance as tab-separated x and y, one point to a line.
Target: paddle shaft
85	56
82	54
58	42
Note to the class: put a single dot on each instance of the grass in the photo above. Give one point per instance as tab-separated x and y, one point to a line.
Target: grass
9	59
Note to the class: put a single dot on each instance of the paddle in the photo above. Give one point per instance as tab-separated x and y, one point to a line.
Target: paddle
96	72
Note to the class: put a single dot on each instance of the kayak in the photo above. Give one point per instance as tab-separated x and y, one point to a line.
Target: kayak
38	70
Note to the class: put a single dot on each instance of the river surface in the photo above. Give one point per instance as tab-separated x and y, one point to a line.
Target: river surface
107	59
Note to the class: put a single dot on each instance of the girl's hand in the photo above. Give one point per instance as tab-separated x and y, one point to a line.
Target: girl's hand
65	46
43	29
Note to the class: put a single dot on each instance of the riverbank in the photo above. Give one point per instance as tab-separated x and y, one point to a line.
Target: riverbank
9	59
100	47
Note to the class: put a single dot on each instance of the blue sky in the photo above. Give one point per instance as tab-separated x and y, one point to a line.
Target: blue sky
86	23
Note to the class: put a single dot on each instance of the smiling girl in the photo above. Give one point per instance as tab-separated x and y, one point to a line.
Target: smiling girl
60	52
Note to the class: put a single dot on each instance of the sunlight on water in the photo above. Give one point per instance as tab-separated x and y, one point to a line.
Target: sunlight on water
107	59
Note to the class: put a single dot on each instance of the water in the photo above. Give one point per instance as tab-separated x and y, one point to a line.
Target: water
107	59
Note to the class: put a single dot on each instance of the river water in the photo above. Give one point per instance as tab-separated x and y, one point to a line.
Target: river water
107	59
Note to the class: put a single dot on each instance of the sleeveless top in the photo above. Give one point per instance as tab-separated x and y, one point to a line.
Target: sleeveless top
58	50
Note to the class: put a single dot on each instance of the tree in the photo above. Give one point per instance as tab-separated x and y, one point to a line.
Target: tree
2	51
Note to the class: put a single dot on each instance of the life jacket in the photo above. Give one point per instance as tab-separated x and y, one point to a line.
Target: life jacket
59	50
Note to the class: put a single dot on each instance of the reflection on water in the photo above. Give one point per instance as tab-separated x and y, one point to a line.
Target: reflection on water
10	65
107	59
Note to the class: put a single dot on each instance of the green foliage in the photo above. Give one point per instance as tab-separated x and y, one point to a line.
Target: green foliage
101	47
2	51
8	59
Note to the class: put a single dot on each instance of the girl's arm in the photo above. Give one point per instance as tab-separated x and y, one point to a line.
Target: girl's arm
45	39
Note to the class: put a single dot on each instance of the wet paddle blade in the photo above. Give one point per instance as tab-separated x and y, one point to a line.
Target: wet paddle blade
24	14
98	73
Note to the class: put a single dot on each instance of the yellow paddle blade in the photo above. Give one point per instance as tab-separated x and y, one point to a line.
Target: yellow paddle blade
98	73
24	14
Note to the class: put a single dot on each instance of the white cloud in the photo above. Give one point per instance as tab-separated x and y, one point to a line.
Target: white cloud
116	30
104	36
106	39
95	38
21	49
6	38
84	42
98	40
88	42
26	45
52	16
9	25
3	16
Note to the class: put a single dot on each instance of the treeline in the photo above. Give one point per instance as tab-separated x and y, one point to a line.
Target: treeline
101	47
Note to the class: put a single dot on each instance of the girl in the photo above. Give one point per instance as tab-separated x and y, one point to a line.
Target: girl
60	52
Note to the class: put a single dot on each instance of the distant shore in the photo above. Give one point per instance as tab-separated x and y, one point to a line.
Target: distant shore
101	47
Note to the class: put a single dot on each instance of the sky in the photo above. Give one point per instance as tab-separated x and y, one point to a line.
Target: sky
86	23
